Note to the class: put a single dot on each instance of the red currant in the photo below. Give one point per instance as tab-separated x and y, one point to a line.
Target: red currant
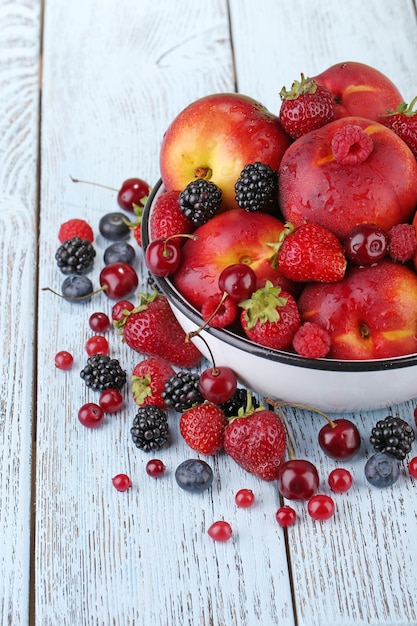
91	415
121	482
286	516
320	507
99	322
238	280
340	480
111	400
119	309
366	244
64	360
155	468
163	257
220	531
133	191
298	479
217	384
245	498
97	345
412	467
118	280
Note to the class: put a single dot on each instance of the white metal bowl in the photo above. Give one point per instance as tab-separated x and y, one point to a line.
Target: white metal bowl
327	384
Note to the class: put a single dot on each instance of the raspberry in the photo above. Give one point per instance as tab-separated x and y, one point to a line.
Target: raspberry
351	145
402	242
311	341
75	228
219	311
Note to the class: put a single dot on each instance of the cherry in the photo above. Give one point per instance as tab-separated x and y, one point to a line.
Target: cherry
97	345
133	191
163	257
340	480
286	516
99	322
91	415
118	280
64	360
298	479
339	439
320	507
121	482
120	308
111	400
155	468
366	244
217	384
238	281
412	467
244	498
220	531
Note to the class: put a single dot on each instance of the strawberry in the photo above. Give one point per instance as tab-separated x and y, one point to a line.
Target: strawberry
257	441
270	317
148	381
305	107
202	428
403	122
152	329
311	253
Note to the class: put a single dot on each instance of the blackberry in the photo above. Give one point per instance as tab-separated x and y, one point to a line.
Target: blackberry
257	187
393	436
75	256
238	401
150	428
181	391
200	201
101	372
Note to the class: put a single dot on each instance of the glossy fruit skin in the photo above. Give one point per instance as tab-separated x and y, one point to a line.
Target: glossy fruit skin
64	360
118	310
321	507
238	281
194	475
119	279
366	244
97	345
217	384
340	440
113	226
155	468
202	428
162	257
99	322
286	516
382	470
148	381
220	531
133	191
244	498
298	479
77	288
305	107
91	415
121	482
119	252
340	480
111	400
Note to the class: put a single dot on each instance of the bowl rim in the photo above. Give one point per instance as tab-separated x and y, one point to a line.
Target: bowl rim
223	334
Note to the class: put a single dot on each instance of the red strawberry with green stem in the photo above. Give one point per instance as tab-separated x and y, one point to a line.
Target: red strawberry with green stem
202	428
257	441
403	122
310	253
305	107
270	317
152	330
148	381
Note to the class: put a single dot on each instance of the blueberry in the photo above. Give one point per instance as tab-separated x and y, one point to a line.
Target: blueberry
382	470
119	252
113	226
76	286
194	475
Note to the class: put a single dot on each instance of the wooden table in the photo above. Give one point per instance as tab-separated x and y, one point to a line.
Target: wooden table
87	89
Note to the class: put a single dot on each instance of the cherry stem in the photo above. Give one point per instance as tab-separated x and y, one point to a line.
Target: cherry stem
283	419
196	332
305	407
78	298
88	182
188	336
185	235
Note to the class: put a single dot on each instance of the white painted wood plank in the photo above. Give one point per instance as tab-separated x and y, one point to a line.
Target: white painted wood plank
358	567
19	67
113	79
